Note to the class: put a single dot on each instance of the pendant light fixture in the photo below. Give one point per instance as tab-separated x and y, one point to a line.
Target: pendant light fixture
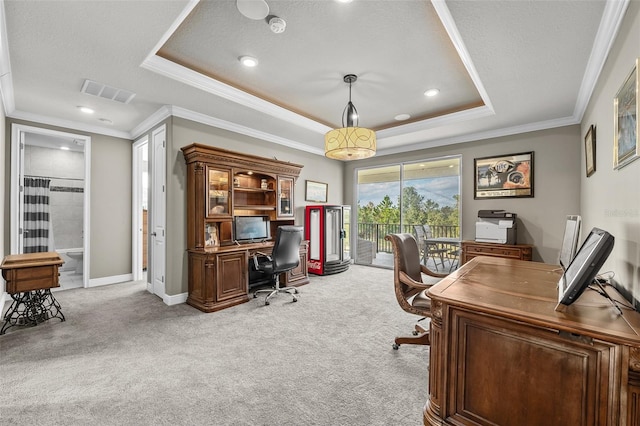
350	142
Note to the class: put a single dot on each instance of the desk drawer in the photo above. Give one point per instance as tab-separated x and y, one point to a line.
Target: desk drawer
494	251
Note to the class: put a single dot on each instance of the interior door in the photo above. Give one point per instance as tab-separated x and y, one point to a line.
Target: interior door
158	212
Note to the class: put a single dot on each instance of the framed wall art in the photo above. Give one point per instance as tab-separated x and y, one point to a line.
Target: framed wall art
625	121
315	191
504	176
590	150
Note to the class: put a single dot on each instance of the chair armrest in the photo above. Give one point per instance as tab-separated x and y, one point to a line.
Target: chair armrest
255	258
429	272
407	280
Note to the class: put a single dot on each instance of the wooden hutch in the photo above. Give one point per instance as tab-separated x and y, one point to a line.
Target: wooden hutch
222	184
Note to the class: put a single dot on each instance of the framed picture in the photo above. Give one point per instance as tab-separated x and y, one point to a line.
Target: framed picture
590	150
505	176
625	121
315	191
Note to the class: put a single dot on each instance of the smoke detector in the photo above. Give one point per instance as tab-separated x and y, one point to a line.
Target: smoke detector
277	25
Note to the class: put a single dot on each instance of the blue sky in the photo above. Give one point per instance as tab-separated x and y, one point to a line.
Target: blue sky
441	190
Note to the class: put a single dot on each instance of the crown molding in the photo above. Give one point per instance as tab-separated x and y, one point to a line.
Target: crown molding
243	130
454	35
68	124
612	17
478	136
148	123
202	82
430	123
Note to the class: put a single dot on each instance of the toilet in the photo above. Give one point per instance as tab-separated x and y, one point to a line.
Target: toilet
77	256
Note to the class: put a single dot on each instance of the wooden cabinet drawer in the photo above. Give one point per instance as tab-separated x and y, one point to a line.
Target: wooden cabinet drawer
471	249
495	251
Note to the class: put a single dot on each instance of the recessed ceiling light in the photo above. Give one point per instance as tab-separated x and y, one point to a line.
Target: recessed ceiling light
86	110
402	117
64	148
253	9
431	92
248	61
344	1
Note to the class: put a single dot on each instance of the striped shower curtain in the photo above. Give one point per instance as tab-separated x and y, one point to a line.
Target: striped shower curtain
37	229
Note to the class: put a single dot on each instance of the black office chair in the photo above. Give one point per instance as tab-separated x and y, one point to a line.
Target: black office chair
284	257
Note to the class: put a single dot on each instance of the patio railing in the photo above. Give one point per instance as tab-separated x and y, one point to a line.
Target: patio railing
376	232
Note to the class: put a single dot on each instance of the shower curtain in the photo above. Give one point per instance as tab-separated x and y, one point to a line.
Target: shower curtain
37	229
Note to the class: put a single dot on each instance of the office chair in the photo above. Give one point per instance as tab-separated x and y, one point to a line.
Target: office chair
410	289
284	257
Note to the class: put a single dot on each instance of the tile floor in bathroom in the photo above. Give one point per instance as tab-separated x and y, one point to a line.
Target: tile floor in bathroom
68	280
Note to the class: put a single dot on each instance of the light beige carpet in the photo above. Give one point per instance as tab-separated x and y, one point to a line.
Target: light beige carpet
125	358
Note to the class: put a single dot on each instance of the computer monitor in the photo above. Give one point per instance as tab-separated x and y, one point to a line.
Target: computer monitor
251	228
584	266
570	240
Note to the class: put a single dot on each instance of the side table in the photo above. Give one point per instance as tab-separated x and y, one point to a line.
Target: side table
29	278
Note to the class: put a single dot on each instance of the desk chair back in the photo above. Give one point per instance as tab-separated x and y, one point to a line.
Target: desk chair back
407	274
284	257
286	249
410	289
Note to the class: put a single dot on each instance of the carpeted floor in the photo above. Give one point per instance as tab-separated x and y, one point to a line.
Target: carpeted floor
125	358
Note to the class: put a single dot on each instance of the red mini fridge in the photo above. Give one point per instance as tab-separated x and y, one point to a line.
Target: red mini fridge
327	229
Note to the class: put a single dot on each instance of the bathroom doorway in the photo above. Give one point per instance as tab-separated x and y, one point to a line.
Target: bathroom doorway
50	182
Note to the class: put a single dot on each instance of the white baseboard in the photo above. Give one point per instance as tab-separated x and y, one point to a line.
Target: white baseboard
114	279
176	299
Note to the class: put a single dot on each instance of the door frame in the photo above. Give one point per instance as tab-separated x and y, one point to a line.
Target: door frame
18	132
136	205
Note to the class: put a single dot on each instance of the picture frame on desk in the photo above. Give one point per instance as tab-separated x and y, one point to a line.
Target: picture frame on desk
625	121
505	176
590	150
315	191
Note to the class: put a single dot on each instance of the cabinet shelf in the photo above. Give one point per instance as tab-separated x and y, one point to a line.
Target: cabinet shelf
253	207
245	189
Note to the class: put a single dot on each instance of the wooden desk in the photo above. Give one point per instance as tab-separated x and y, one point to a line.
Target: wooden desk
219	276
29	279
501	355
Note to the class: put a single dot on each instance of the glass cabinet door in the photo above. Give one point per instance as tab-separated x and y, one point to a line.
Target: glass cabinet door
218	192
285	196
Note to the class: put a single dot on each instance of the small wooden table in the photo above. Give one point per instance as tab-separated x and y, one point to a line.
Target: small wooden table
29	278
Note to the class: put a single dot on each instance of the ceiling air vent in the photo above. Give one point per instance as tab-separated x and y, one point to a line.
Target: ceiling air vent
102	90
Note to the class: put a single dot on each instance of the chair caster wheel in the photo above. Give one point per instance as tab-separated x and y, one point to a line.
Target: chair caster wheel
255	295
415	333
295	300
266	302
295	291
395	346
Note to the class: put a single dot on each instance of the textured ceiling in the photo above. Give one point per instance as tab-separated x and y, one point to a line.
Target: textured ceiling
502	67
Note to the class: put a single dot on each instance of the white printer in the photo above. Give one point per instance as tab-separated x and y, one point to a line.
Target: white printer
496	226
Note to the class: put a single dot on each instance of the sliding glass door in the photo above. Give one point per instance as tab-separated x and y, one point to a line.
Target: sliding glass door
421	198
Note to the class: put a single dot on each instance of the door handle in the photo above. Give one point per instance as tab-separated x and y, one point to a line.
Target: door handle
153	234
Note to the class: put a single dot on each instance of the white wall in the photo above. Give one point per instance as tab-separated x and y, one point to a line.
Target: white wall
610	199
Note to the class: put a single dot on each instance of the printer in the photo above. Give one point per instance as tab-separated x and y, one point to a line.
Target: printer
496	226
